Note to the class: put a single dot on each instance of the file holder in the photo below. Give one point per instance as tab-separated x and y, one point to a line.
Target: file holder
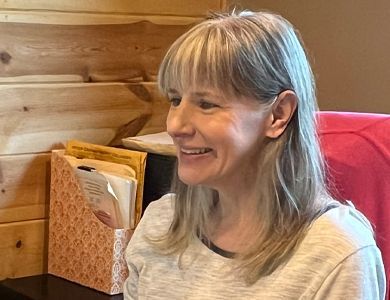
81	248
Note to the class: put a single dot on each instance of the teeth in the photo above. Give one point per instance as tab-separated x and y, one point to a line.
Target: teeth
195	151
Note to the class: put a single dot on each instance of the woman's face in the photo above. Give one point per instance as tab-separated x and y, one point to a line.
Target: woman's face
217	139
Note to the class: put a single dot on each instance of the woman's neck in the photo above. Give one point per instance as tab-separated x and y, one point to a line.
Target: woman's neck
233	221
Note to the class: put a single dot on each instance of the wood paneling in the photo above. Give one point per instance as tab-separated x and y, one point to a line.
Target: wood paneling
24	187
72	69
61	18
40	117
23	248
149	7
41	79
160	107
122	51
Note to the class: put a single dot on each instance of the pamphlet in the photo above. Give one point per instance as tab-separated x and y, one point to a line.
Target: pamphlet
123	169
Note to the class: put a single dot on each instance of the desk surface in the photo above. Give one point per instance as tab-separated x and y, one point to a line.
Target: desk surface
48	287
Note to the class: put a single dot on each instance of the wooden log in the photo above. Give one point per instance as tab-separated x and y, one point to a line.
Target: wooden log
23	248
41	79
160	108
145	7
65	18
124	50
41	117
24	187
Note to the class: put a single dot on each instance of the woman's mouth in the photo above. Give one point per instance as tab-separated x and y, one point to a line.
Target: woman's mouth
195	151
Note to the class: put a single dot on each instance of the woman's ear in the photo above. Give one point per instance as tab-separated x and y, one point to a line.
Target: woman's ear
281	113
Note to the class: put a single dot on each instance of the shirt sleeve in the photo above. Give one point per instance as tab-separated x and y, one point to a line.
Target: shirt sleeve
360	276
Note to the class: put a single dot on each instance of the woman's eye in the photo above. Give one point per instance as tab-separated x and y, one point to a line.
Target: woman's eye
175	101
207	105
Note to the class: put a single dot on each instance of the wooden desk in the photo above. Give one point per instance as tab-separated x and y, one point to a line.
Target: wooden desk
49	287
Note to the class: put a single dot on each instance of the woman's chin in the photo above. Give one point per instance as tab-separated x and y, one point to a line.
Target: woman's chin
196	180
190	179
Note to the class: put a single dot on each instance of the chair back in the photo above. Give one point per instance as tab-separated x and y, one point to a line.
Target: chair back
356	148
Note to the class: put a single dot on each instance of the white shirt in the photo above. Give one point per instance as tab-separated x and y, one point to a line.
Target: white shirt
337	259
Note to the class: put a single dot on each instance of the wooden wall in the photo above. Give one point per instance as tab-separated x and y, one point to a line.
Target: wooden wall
73	70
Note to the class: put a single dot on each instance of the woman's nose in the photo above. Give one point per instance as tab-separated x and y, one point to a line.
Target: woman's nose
179	121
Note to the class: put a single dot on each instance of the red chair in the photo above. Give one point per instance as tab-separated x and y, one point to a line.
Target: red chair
356	147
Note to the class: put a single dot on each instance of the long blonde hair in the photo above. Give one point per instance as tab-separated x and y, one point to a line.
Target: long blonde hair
257	55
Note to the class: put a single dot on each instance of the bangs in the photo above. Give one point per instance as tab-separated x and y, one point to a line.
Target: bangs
201	58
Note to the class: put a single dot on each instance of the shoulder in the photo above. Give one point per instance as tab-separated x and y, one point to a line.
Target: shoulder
335	237
158	216
341	244
343	228
162	208
155	222
344	255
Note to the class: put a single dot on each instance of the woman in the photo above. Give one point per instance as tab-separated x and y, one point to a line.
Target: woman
250	217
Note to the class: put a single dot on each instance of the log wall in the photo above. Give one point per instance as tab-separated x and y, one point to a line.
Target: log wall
73	70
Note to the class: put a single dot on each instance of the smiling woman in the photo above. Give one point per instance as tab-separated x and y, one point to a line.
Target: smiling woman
250	216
